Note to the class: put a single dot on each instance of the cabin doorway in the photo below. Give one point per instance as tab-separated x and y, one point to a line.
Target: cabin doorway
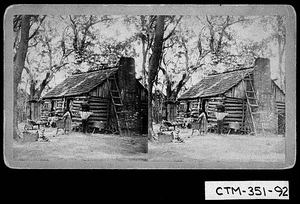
68	101
52	106
187	110
204	105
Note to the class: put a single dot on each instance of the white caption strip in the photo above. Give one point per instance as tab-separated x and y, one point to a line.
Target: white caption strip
235	190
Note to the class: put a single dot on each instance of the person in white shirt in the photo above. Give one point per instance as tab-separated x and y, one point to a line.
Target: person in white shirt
203	121
85	114
68	120
220	115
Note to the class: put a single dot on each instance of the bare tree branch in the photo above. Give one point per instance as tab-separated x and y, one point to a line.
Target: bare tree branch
225	25
171	33
209	22
168	46
27	70
164	71
171	21
37	29
58	67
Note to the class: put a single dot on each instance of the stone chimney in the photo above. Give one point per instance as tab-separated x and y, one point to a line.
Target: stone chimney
129	91
266	99
126	74
262	76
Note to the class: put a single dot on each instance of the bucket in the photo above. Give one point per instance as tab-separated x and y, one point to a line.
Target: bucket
165	138
30	137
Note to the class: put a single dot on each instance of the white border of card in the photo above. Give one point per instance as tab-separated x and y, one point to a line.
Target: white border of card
288	11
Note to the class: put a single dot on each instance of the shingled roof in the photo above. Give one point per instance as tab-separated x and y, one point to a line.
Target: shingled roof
78	84
215	84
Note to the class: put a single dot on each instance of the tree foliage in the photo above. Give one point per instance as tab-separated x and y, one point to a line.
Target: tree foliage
144	35
189	45
213	44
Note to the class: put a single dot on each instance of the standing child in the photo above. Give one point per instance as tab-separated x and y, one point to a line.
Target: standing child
68	120
220	115
203	122
85	114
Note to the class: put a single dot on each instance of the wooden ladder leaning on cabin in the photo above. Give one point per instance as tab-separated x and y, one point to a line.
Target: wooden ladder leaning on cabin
252	104
117	104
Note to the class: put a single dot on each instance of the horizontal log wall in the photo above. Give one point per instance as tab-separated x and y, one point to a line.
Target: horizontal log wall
45	115
45	110
279	95
194	106
58	107
211	108
98	105
280	107
234	107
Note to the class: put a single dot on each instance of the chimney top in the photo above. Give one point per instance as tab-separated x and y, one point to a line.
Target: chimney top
262	75
126	73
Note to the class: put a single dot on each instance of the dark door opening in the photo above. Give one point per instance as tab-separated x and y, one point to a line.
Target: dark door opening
52	105
203	103
68	103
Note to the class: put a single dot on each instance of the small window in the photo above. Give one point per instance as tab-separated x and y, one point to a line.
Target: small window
46	105
195	105
181	107
59	104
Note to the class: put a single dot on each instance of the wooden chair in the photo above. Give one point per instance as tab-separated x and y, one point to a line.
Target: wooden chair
165	126
100	125
233	126
30	124
195	126
211	127
76	127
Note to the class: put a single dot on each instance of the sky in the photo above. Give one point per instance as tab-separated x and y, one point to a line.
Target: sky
120	32
255	32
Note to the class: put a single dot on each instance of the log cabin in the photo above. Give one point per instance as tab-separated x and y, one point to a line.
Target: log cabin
250	97
116	98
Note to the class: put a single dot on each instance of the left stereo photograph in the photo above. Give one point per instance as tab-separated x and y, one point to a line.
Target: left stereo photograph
78	91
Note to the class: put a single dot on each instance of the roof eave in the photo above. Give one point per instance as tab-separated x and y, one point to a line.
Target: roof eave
61	96
214	94
76	94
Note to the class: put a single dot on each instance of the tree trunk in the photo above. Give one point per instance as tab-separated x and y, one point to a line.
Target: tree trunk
153	68
280	59
280	35
156	109
18	68
144	63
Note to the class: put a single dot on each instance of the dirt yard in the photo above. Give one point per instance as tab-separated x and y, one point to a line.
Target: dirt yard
218	148
83	147
204	148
